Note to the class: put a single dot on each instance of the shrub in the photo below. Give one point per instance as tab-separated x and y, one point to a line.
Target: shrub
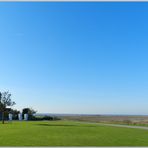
40	118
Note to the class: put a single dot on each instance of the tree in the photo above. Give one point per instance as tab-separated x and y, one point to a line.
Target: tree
15	113
5	101
28	111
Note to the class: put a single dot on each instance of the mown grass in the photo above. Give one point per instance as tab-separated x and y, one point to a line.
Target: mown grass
68	133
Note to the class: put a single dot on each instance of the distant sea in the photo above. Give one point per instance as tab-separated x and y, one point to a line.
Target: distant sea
58	114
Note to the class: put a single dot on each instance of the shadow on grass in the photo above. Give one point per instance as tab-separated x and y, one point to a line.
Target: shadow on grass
64	125
55	125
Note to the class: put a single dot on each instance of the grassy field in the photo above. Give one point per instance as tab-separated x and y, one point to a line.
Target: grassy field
67	133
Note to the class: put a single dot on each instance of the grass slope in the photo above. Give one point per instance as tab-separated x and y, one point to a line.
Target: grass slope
68	133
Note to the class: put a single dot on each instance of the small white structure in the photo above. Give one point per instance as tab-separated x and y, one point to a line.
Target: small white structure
25	117
10	117
20	116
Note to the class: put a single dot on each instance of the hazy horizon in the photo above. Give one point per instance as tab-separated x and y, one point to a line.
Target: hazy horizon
93	114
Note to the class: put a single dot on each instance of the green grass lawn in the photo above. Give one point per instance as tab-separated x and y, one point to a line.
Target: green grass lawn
68	133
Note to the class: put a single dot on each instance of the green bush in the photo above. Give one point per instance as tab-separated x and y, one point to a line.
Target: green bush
40	118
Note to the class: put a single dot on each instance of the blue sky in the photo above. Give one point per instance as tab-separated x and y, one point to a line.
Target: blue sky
75	57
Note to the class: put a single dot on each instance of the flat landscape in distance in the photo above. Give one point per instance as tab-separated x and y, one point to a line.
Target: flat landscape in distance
69	133
140	120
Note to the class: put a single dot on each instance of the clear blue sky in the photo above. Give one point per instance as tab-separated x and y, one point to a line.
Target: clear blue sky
75	57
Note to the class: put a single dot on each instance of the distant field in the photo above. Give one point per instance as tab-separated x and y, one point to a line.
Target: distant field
68	133
128	120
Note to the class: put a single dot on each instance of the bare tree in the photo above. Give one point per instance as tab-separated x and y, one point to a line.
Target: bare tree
5	101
